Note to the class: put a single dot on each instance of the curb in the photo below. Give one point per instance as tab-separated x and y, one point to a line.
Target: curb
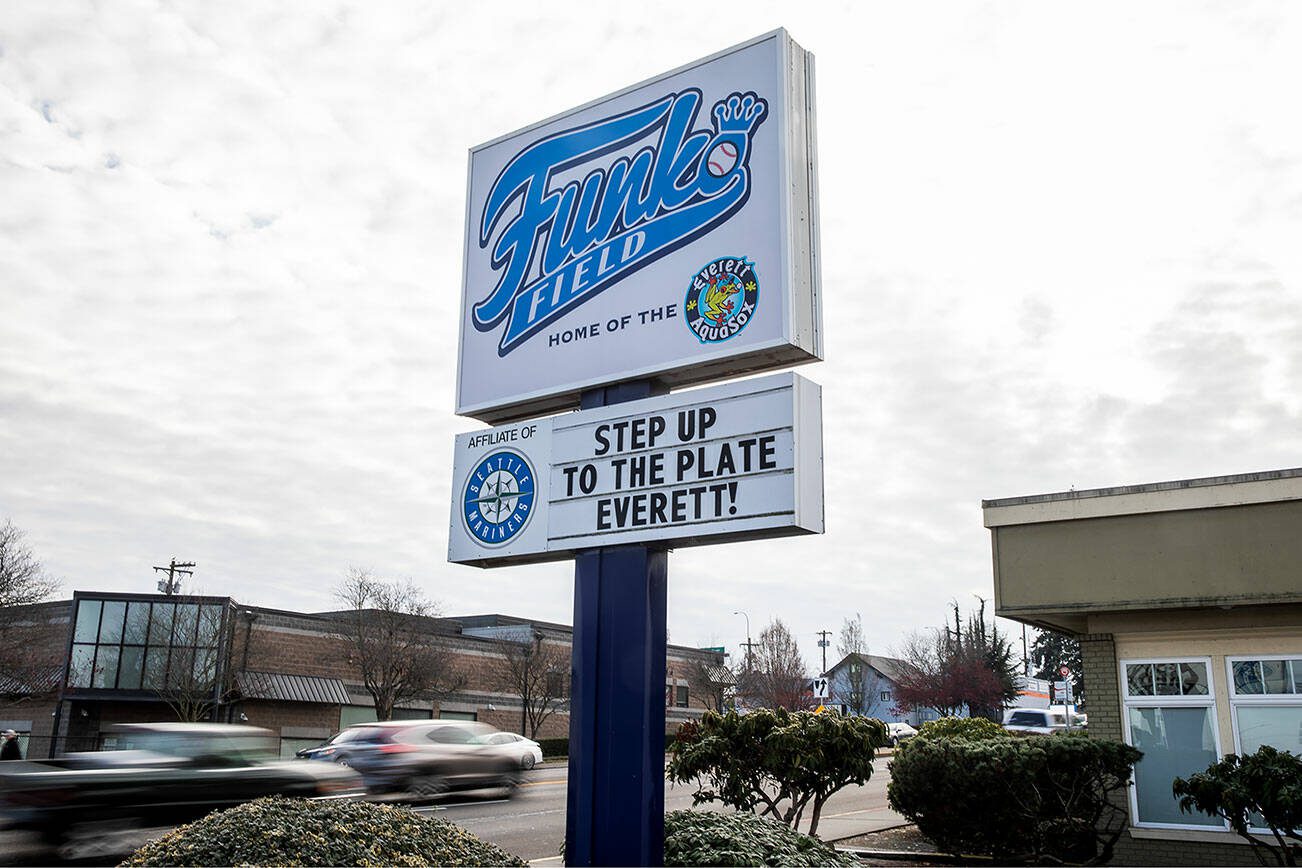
913	856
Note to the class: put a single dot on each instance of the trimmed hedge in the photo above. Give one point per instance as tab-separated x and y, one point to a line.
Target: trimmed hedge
281	831
1016	799
558	747
970	728
707	838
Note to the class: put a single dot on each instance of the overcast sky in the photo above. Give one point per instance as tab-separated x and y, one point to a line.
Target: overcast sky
1062	247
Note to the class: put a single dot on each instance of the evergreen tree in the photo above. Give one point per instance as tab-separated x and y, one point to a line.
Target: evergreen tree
1051	649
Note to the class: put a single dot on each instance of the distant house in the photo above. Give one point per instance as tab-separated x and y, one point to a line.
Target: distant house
863	685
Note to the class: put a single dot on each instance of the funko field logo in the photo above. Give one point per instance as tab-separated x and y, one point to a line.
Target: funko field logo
652	182
498	498
721	299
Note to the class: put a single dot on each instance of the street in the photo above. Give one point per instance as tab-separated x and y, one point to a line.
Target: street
531	824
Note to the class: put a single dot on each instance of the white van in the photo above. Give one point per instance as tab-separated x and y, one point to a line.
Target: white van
1040	720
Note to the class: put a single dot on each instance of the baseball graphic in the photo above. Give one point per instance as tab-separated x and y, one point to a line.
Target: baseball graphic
722	159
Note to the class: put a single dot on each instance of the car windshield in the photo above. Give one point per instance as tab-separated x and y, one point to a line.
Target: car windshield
231	748
361	733
1026	718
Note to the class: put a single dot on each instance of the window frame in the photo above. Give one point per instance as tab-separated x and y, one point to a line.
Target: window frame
1207	700
1259	700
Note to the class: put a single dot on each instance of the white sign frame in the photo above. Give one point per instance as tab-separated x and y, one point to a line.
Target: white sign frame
499	381
549	514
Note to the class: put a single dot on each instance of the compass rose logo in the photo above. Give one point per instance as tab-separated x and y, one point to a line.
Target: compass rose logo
498	498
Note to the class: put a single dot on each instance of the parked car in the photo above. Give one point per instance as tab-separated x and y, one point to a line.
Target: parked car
898	732
159	774
525	752
1043	721
420	758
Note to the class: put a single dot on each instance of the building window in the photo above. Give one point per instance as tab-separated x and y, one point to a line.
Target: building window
885	696
681	699
1266	704
1171	717
144	645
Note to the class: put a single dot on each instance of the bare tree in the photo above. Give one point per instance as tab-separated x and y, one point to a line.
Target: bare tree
390	626
25	666
536	672
956	670
853	691
779	678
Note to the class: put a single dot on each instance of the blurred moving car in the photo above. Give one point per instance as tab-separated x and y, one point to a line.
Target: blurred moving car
1042	721
898	732
420	758
159	774
525	752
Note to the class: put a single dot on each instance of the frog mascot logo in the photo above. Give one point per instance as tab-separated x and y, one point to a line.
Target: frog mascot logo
640	185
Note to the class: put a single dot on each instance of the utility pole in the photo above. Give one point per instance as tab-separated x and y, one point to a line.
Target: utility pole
823	643
172	585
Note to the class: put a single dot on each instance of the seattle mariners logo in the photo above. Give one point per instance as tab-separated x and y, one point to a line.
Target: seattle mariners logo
556	245
498	498
721	299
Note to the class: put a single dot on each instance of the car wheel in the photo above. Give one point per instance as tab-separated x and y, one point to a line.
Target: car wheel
527	761
342	760
427	786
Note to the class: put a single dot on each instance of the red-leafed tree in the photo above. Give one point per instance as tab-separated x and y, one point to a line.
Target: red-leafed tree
956	670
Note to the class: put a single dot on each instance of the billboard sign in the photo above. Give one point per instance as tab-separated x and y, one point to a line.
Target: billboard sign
719	464
667	231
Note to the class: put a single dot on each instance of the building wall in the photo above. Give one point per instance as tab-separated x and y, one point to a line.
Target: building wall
1181	634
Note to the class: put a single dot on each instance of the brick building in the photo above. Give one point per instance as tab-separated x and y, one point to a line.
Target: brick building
76	666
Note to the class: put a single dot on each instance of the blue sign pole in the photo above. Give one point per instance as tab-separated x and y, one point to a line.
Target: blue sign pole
615	807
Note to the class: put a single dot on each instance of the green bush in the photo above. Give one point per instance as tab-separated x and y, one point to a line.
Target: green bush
1015	799
707	838
777	763
970	728
554	746
280	831
1263	789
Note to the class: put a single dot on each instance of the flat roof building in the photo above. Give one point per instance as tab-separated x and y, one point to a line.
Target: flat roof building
1187	600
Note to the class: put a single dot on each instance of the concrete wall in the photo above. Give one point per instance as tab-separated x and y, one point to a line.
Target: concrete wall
1237	555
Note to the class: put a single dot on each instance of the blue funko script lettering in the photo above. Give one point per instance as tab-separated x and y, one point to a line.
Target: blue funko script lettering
559	244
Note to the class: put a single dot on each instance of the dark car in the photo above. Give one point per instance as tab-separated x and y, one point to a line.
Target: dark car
159	774
421	758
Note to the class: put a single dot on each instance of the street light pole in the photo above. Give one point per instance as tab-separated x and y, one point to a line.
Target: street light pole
748	643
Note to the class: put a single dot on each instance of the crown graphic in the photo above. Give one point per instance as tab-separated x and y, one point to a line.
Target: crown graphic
739	113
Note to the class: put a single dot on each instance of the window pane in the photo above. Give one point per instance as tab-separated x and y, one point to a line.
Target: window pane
1193	679
1279	726
187	615
210	625
160	624
137	629
130	668
87	621
106	666
205	667
155	667
180	675
83	660
1176	742
110	624
1166	680
1274	675
1139	679
1296	666
1247	677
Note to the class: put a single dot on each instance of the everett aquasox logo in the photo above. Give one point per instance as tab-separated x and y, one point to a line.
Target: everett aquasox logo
721	299
556	244
497	501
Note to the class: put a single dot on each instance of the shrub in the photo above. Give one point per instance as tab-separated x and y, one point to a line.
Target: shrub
970	728
775	762
1263	789
280	831
1015	799
554	746
707	838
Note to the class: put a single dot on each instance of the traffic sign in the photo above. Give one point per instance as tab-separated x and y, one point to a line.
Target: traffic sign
821	688
1064	671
